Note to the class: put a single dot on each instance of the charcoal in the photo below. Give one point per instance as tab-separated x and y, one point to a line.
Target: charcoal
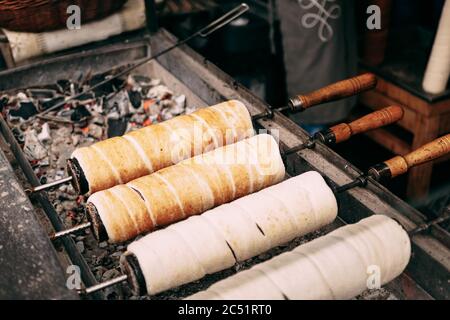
152	107
180	102
22	97
80	246
138	118
175	106
160	92
119	103
116	254
155	82
97	108
86	96
166	114
141	81
117	127
189	110
33	148
63	86
95	131
107	88
43	180
135	99
4	100
111	111
48	103
80	113
110	274
75	140
98	120
45	135
25	110
39	94
18	134
102	90
80	78
64	113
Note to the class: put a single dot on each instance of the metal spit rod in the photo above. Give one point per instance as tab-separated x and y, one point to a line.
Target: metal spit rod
401	164
335	91
49	185
60	234
104	285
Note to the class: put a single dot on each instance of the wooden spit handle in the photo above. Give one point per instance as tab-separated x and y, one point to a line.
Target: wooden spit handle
374	120
333	92
400	165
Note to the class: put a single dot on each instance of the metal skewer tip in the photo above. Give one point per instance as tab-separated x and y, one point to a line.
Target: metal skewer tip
104	285
49	185
224	20
70	231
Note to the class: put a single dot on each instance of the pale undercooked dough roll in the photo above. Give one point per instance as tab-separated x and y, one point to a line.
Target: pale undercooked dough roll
339	265
233	232
119	160
187	188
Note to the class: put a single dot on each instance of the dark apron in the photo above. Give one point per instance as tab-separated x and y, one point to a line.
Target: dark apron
319	43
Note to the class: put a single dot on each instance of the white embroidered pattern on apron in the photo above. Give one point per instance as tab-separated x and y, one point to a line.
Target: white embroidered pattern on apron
320	17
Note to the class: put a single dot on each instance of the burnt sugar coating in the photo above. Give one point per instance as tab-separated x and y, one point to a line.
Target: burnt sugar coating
234	232
119	160
339	265
189	187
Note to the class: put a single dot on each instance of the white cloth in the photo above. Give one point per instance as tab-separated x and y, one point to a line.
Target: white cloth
28	45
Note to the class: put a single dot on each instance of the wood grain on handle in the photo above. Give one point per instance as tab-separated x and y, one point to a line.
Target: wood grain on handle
431	151
336	91
374	120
